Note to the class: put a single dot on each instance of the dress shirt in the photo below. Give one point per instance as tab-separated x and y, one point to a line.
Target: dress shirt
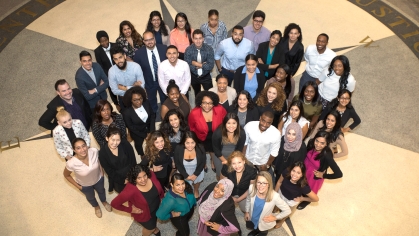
317	62
257	37
261	145
330	85
207	55
150	60
142	113
180	73
127	77
214	39
233	56
107	51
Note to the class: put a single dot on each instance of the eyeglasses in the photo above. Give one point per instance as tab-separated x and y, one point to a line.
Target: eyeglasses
155	20
258	21
148	40
262	184
208	104
137	100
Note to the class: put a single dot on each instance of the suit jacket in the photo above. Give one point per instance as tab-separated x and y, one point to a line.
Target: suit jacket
277	58
84	83
103	59
48	120
267	209
142	59
239	80
136	126
63	143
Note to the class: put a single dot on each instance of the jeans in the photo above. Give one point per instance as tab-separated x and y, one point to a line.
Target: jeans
89	192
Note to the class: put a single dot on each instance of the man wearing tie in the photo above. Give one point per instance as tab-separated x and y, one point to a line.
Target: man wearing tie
103	57
149	58
200	58
91	80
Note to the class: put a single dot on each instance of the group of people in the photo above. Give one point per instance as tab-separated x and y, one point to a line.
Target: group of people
253	123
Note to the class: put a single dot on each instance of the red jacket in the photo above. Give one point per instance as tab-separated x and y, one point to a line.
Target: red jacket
197	124
133	196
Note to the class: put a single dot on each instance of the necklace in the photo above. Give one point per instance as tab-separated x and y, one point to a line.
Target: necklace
285	158
304	100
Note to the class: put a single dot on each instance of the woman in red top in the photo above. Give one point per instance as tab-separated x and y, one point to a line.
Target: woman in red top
143	194
205	118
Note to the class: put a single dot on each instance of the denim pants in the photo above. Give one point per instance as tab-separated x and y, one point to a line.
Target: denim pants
89	192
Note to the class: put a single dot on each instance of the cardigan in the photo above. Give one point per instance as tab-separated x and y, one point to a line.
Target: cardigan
63	143
197	124
231	93
133	196
201	159
117	167
173	202
267	209
217	141
240	77
224	214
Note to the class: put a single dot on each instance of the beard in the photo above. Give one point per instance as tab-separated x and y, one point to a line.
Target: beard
237	43
123	66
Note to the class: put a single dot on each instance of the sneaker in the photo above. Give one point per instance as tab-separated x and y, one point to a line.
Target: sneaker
98	212
107	206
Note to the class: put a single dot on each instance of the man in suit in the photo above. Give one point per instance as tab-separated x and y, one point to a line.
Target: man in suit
91	80
144	57
104	58
72	100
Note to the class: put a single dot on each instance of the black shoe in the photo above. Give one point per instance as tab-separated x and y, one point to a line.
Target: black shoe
206	169
303	205
254	232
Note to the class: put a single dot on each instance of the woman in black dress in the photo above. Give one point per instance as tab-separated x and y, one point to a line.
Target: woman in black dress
293	47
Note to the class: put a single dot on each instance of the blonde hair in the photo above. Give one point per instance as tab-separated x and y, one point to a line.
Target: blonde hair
61	112
268	177
234	155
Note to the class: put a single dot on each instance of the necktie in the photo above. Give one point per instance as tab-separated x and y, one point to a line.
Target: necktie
153	58
198	59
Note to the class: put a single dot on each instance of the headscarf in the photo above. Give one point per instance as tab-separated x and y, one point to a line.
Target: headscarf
207	208
293	146
101	34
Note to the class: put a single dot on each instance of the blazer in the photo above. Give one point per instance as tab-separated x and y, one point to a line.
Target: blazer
134	197
201	159
117	168
267	209
294	56
251	114
63	143
103	59
84	83
217	141
136	126
277	58
224	214
51	112
197	124
231	93
142	59
239	80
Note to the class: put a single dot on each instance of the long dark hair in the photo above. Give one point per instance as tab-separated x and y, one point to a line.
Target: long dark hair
177	176
167	129
250	105
287	70
315	100
236	134
187	25
100	105
298	104
136	37
135	170
163	29
336	131
290	27
335	102
303	180
326	151
192	135
343	80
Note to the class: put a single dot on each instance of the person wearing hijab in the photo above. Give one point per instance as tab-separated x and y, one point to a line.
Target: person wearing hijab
292	149
217	210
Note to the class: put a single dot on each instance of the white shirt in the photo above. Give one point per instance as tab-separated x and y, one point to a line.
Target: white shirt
329	87
107	51
302	122
317	62
86	175
150	60
180	73
142	113
261	145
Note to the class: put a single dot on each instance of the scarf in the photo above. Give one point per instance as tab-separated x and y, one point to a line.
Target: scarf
207	208
293	146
